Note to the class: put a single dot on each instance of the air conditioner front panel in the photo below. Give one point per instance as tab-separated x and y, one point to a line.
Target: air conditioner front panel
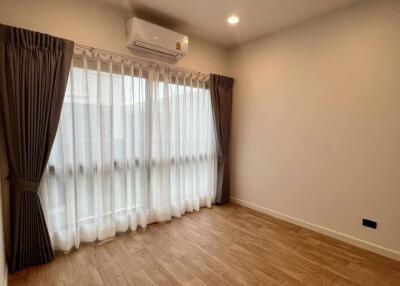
147	36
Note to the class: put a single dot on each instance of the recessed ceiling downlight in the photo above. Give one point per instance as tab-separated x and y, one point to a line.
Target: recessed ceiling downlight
233	20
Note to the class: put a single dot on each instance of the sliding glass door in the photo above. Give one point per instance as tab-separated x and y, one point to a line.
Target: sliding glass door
135	145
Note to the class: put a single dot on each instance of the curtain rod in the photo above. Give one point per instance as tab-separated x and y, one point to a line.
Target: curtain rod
137	58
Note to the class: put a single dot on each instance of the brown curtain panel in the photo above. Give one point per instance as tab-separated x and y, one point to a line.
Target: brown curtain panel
33	76
221	101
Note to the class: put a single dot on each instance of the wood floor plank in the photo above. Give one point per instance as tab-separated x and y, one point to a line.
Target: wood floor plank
225	245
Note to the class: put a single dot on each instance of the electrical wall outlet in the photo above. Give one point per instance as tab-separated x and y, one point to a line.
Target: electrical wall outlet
369	223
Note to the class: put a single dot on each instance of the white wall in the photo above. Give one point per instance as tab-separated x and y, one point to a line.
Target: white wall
316	122
99	24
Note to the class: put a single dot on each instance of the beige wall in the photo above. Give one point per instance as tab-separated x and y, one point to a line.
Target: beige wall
96	23
316	121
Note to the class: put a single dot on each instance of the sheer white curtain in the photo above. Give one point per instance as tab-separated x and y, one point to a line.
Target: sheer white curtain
135	145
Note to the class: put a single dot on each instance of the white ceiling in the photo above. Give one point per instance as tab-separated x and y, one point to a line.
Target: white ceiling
207	18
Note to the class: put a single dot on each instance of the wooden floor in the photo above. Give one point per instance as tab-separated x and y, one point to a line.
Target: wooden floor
229	245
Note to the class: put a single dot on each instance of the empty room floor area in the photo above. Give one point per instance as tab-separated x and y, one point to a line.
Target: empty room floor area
225	245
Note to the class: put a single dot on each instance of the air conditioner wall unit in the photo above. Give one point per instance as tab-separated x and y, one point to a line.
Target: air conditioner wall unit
151	38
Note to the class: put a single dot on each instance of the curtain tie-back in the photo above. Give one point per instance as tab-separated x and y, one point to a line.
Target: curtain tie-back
23	185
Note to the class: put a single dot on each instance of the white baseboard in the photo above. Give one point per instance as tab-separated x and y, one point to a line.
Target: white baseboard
326	231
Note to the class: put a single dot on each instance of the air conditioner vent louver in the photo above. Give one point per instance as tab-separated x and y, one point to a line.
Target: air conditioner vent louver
156	49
